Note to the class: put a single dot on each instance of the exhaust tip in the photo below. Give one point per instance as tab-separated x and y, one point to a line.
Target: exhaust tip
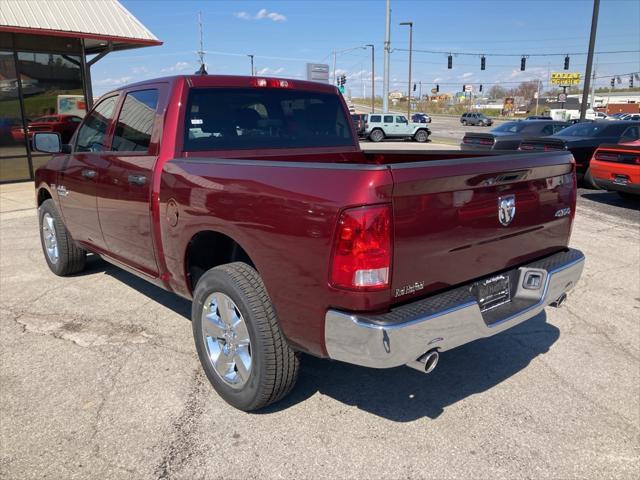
426	363
559	301
431	361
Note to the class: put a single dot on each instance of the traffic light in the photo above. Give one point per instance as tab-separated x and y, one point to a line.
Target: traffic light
414	87
523	64
450	62
480	87
613	81
483	63
566	62
437	88
631	81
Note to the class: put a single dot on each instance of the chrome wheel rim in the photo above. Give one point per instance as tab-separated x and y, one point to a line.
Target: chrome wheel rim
49	238
226	339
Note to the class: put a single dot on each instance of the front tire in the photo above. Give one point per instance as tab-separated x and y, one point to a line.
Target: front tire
239	342
421	136
62	254
464	122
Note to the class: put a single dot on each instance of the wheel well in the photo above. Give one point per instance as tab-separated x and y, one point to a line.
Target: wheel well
209	249
43	195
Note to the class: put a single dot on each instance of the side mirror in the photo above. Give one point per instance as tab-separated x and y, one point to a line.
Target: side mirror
47	142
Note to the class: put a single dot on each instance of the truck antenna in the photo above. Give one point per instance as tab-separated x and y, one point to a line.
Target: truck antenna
203	68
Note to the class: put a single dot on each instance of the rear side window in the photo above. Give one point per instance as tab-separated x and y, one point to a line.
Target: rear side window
630	134
92	133
375	119
250	118
133	130
388	119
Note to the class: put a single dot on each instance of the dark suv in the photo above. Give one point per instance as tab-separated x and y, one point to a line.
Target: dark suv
359	121
476	119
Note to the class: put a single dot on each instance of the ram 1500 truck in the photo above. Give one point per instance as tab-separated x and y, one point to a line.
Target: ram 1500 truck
251	197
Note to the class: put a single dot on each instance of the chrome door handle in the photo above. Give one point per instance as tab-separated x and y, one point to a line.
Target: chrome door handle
87	173
137	179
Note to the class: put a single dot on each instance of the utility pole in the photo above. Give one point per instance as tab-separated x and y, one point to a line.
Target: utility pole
538	97
587	74
373	78
420	93
203	68
253	72
410	25
387	52
334	66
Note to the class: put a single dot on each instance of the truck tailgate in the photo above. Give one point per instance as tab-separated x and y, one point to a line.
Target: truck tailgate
447	225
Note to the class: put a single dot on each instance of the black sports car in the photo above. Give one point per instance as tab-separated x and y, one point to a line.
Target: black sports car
508	135
582	139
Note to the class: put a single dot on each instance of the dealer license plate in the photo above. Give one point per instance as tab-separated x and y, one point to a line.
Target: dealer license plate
492	292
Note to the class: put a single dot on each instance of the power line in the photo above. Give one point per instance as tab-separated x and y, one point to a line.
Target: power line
443	52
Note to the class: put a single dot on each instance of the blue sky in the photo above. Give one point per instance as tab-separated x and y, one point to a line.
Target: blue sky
284	35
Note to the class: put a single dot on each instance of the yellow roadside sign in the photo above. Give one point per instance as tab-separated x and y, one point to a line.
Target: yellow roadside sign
565	78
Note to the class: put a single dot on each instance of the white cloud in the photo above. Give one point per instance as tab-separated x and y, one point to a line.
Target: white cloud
139	70
466	75
263	14
112	82
437	79
270	71
178	67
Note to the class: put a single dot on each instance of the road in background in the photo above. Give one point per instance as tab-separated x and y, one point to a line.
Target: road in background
99	378
444	128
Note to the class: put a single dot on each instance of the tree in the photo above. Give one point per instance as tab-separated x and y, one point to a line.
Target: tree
496	91
526	89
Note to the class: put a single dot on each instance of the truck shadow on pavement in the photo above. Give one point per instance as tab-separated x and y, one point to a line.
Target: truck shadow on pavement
399	394
404	395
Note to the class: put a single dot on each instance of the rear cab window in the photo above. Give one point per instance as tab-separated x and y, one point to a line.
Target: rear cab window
135	122
220	118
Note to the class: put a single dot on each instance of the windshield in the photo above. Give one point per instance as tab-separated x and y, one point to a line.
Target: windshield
250	118
513	127
588	129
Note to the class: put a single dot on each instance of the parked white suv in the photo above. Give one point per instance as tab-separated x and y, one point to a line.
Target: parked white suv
391	125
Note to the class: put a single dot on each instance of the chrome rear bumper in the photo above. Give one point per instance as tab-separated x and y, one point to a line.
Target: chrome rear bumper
445	321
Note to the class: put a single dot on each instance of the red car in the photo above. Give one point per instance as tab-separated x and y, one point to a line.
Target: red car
251	197
617	168
65	125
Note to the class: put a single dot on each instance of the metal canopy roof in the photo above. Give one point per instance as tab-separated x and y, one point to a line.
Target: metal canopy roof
96	21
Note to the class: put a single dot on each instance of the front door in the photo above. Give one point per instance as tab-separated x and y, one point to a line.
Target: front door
124	197
77	182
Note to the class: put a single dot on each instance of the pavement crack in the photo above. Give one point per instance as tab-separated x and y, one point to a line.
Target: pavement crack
183	447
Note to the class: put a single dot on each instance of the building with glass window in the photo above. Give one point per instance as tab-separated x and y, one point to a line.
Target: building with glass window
46	52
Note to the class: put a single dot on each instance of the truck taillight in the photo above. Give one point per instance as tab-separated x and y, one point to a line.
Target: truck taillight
361	258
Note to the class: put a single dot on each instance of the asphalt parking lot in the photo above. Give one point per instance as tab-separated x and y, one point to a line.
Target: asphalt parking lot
99	379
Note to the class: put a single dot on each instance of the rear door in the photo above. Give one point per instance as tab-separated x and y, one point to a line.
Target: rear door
459	220
124	197
388	125
78	179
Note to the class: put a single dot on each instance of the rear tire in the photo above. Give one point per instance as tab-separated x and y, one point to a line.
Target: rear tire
589	181
255	372
62	254
377	135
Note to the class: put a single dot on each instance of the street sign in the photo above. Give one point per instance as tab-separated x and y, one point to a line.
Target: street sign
565	79
341	88
318	72
562	97
468	88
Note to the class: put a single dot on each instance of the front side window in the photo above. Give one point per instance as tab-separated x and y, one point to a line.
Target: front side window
133	130
252	118
92	133
401	119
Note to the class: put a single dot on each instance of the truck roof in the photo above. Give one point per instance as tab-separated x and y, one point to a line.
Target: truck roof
236	81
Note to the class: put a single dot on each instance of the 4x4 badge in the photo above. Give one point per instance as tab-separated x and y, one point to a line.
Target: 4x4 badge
506	209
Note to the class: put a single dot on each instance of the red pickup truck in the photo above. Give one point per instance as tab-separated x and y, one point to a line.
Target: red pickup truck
251	197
